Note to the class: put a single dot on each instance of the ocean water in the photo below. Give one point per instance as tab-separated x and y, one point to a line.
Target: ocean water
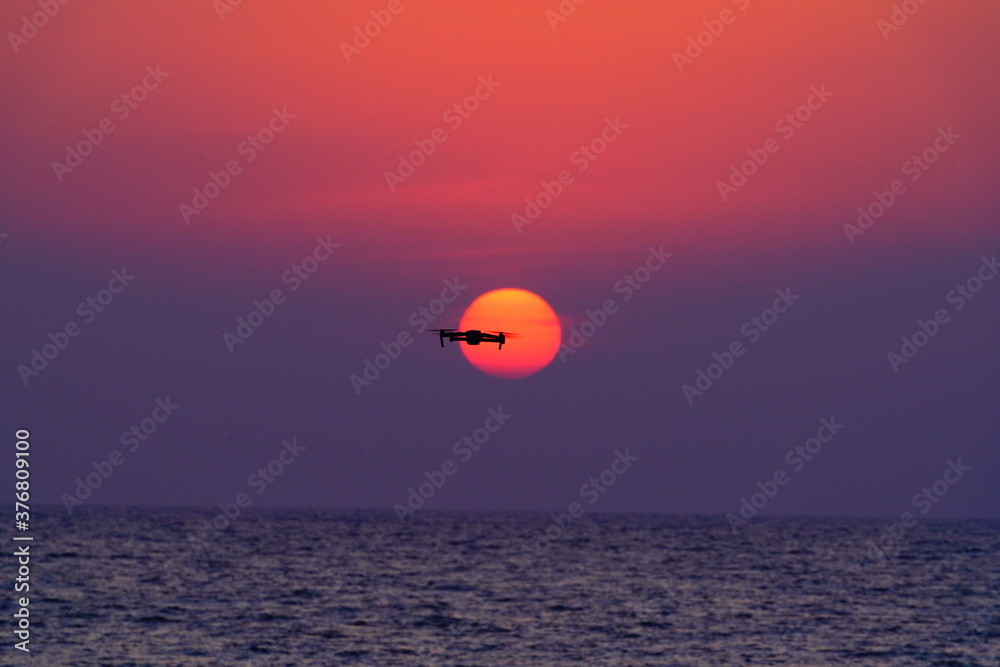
129	587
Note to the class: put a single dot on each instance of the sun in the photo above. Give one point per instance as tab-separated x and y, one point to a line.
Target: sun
517	311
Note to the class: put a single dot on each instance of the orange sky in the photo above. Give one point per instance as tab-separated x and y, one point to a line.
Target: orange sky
557	88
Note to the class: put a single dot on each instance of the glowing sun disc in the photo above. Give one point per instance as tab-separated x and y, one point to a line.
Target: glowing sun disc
517	311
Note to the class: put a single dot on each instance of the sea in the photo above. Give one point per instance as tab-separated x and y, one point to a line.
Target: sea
158	587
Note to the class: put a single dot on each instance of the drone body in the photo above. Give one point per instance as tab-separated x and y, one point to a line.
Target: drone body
473	336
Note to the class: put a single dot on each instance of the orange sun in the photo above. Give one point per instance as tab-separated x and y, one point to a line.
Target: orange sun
515	311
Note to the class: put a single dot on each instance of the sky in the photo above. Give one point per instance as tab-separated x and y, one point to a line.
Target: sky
661	174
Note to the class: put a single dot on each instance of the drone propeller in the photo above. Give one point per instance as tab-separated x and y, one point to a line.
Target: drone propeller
506	334
442	333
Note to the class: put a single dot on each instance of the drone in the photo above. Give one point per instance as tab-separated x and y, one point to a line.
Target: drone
474	336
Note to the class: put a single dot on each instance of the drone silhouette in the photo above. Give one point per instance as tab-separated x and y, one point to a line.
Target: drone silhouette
474	336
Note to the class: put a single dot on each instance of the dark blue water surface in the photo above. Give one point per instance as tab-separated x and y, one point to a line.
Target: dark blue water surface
130	587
